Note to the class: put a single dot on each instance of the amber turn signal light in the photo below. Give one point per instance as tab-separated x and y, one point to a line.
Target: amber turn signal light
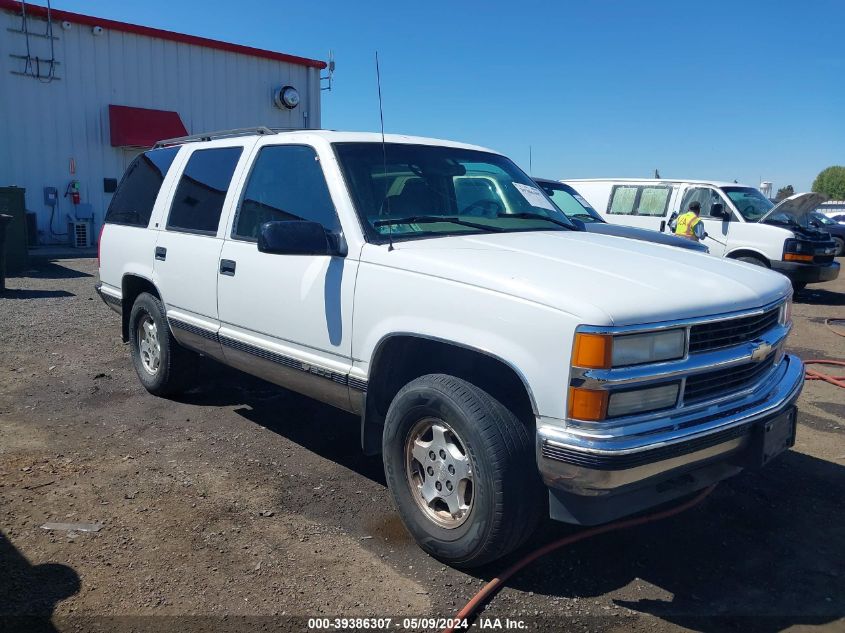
587	404
592	351
795	257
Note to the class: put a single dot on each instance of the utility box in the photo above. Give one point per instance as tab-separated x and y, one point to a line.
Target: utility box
12	203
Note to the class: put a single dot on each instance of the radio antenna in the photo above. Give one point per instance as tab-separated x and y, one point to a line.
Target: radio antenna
384	157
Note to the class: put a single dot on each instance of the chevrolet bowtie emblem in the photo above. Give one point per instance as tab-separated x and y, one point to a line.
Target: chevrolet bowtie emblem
761	352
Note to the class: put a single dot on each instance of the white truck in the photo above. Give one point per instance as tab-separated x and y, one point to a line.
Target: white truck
504	363
741	222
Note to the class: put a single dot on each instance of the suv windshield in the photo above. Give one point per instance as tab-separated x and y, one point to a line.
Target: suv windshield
404	189
750	202
569	201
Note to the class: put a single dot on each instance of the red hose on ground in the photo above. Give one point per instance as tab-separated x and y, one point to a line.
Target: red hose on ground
812	374
498	582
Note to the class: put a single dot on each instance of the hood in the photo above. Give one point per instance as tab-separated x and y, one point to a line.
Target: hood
600	279
644	235
797	206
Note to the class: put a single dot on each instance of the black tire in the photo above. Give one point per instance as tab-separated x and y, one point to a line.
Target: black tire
798	286
507	493
171	374
749	259
840	247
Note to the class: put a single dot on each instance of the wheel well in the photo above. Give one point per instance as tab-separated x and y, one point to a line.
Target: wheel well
401	359
747	253
132	286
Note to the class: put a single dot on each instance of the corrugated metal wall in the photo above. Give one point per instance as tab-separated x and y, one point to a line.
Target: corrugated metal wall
43	125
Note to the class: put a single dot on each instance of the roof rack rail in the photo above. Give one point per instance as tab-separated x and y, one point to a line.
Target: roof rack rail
210	136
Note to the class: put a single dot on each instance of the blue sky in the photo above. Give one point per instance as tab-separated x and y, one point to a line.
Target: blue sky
721	90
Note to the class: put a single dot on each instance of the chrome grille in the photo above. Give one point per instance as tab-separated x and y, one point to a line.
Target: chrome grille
725	381
709	336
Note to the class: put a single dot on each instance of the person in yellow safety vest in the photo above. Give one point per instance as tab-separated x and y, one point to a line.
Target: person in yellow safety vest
689	225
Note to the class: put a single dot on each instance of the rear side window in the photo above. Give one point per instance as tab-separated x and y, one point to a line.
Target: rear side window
653	200
475	192
645	200
198	201
132	203
286	183
622	200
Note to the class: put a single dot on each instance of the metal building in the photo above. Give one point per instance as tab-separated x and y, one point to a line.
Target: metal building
80	96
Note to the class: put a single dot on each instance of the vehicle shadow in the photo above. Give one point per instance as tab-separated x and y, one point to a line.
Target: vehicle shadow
19	293
48	269
817	296
763	552
329	432
29	593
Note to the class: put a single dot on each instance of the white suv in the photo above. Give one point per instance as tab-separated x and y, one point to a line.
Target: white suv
493	351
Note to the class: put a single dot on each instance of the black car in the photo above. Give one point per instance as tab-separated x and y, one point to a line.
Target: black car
579	211
828	225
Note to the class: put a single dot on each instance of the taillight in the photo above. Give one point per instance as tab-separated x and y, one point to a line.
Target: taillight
99	241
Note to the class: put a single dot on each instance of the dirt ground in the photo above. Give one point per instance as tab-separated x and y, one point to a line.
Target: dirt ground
242	506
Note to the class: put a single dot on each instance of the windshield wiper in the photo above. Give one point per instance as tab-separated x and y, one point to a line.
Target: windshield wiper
537	216
433	219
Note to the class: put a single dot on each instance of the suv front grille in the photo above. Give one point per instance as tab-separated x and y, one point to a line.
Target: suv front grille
709	336
723	382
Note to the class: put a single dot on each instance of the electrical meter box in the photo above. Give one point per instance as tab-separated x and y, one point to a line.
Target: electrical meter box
51	195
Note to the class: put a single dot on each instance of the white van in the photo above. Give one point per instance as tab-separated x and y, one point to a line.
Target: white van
741	223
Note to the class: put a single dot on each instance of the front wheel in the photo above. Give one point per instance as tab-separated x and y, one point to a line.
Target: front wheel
461	469
839	248
748	259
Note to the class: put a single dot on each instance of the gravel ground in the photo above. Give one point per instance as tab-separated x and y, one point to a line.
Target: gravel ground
242	506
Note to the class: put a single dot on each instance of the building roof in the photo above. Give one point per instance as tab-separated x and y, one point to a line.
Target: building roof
125	27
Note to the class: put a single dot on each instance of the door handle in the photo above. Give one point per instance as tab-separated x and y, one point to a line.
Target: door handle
227	267
161	253
662	226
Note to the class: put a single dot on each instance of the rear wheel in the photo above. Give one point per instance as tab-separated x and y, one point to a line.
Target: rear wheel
461	469
162	364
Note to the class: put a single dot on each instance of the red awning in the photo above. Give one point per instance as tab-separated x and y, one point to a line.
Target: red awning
142	127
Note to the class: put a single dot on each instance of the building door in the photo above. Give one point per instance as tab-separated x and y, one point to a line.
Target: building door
287	318
187	252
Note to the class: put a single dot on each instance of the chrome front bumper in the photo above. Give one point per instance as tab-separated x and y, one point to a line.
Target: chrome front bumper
593	465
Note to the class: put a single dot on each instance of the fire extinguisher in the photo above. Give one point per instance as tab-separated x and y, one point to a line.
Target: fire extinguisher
73	191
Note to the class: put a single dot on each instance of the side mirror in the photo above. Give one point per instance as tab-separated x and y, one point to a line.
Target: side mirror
299	237
717	210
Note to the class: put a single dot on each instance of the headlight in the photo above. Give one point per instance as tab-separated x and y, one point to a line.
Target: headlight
602	351
797	251
635	349
640	400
